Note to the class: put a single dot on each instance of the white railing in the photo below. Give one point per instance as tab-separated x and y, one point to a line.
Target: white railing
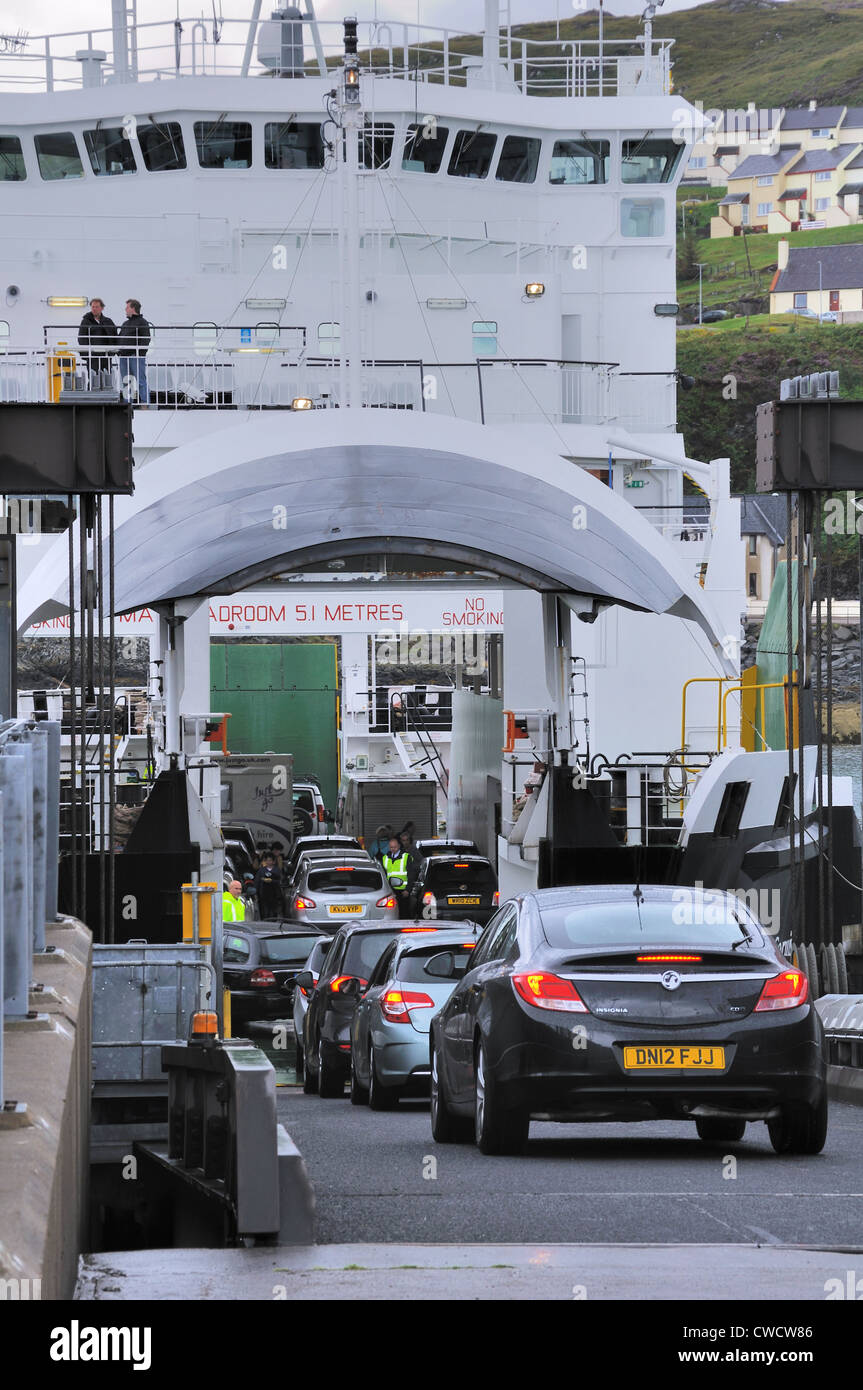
193	46
184	372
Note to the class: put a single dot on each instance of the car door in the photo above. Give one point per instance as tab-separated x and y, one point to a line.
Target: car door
368	1011
318	1001
466	1003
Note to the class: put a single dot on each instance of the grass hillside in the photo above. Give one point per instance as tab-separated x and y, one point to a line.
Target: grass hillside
757	356
730	52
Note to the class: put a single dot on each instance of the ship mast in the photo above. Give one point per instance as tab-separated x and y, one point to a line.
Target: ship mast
351	122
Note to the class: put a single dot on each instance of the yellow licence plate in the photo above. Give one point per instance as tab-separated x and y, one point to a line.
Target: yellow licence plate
674	1058
462	902
346	907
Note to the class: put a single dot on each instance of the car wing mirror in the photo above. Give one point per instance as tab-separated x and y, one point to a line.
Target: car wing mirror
306	980
352	989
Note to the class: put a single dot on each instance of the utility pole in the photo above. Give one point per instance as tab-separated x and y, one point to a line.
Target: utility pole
701	265
350	373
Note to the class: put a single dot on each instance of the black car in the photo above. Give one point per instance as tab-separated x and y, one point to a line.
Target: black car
424	849
355	951
310	842
462	887
627	1003
261	963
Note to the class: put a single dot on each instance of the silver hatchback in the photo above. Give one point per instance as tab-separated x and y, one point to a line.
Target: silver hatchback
327	894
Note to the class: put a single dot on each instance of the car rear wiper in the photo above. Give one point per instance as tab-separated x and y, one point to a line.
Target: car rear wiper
746	939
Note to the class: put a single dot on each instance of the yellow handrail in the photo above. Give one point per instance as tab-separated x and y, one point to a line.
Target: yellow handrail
760	687
701	680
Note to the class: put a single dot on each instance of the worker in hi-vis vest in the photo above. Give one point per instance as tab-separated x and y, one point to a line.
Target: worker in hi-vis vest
233	907
395	863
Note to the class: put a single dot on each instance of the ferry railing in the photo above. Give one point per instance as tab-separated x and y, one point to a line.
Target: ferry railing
192	46
234	373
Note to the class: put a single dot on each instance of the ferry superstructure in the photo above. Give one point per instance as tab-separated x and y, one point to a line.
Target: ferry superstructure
487	274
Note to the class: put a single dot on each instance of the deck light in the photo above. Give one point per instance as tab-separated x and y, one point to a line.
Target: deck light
67	301
535	290
666	311
302	403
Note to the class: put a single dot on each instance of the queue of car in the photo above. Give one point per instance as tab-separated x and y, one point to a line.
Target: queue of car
570	1004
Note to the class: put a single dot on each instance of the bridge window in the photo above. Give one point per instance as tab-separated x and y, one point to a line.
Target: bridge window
4	334
109	151
376	144
472	153
162	146
424	148
642	216
206	336
57	153
650	161
266	334
11	160
518	159
579	161
224	144
329	339
484	339
293	145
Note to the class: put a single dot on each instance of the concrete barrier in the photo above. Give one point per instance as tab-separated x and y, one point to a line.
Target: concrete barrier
44	1143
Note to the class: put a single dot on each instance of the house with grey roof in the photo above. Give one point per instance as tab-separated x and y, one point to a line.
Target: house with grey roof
812	176
821	279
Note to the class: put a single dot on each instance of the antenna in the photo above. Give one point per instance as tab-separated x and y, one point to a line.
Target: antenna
14	43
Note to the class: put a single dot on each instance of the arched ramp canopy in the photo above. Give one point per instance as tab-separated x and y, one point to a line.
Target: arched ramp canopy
280	491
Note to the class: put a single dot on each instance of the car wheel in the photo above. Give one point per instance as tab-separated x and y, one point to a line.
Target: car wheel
714	1130
380	1097
800	1129
331	1081
359	1094
310	1080
447	1128
497	1131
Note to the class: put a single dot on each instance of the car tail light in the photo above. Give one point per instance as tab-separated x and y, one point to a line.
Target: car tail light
386	902
338	983
262	977
786	991
419	929
546	991
495	898
300	904
396	1004
428	899
320	813
655	960
461	866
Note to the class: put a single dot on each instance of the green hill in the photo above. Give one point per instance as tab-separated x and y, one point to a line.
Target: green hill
730	52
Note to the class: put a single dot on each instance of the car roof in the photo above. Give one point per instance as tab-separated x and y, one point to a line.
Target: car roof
587	895
456	857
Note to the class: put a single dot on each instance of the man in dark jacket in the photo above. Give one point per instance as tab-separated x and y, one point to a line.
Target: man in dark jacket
98	336
134	339
268	886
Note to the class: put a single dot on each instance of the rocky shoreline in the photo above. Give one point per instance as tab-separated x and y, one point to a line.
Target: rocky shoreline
846	676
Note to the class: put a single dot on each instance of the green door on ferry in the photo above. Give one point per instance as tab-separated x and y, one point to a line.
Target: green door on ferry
284	697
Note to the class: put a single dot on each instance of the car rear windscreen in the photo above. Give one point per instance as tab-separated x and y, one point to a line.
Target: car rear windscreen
474	877
411	969
304	800
346	880
364	951
696	920
281	949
